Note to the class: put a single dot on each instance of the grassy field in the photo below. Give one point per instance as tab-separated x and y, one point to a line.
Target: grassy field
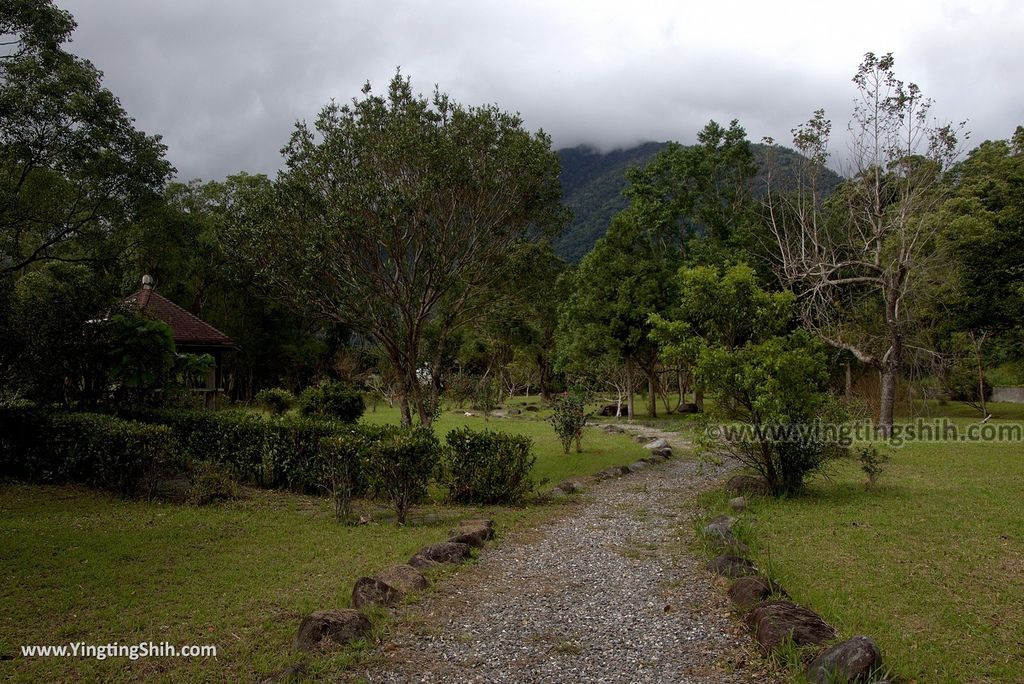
82	566
930	564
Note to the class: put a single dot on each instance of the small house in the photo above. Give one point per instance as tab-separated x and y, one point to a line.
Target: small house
191	334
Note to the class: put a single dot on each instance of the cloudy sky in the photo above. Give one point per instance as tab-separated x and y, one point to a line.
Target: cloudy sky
225	81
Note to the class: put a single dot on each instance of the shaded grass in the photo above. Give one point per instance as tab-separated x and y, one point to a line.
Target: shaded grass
930	564
83	566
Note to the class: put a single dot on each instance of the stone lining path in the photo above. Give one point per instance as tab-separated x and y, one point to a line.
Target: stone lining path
606	593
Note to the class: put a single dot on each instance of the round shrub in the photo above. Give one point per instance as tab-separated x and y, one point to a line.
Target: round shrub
276	400
487	467
398	466
335	400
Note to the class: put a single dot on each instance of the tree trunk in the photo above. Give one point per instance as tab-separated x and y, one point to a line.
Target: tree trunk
849	381
698	398
681	386
630	391
887	399
652	394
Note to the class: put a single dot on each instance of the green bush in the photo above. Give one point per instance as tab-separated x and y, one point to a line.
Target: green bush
487	467
333	400
236	440
776	391
569	419
339	469
276	400
210	483
399	464
122	456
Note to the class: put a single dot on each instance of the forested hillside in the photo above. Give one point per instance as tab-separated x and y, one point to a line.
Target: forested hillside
592	185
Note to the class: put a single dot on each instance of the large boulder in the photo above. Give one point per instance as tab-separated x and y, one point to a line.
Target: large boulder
776	622
331	628
614	471
731	566
443	552
664	452
738	504
388	587
613	429
748	484
853	660
473	532
609	410
747	592
637	465
404	578
688	408
370	591
657	444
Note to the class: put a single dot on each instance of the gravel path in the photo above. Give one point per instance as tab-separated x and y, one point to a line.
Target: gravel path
607	593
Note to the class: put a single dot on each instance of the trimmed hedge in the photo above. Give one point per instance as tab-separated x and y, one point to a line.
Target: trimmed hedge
399	463
281	451
122	456
487	467
333	401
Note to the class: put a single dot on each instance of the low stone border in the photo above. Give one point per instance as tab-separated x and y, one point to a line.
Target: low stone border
333	628
660	450
775	622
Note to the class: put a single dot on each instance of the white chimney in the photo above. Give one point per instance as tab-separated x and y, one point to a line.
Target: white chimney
147	282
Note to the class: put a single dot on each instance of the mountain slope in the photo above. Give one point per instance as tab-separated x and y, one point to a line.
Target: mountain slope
593	182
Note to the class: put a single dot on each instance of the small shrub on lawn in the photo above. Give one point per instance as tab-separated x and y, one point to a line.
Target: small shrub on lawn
333	400
339	469
487	467
276	400
211	483
568	419
399	464
873	463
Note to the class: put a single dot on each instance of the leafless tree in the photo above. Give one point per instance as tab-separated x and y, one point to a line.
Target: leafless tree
860	261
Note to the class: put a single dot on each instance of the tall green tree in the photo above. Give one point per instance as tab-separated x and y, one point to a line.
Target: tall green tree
699	196
73	167
399	213
613	293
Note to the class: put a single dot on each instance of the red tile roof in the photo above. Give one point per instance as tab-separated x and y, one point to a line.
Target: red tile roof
186	328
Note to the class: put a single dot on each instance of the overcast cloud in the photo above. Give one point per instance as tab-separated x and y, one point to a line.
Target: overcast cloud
225	81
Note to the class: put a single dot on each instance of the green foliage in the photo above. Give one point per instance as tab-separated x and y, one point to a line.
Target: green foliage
486	394
339	464
73	167
142	353
333	400
773	384
55	351
122	456
467	185
399	465
595	183
777	390
211	483
720	308
487	467
872	462
569	418
276	400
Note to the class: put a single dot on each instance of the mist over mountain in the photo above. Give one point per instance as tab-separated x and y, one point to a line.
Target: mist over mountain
593	183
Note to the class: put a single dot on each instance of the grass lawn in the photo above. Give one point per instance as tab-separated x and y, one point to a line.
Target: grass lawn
931	564
600	449
82	566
